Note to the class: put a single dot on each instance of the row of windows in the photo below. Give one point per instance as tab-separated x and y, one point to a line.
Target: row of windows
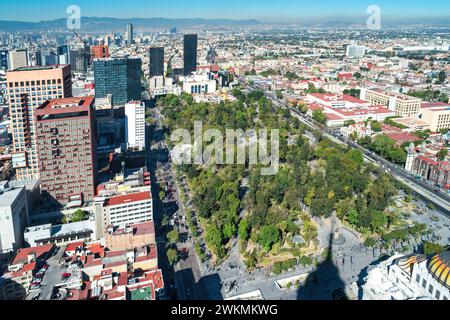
437	294
33	83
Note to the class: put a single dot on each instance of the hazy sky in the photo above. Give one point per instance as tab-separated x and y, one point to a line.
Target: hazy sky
265	10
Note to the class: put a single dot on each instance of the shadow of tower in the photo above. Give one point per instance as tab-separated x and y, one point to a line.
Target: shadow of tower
325	282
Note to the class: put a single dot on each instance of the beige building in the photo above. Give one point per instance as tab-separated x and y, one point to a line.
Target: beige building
438	117
403	105
27	89
130	237
18	59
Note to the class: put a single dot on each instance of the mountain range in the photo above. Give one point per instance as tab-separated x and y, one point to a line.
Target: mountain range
115	24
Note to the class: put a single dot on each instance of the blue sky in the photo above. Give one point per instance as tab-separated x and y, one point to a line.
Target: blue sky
265	10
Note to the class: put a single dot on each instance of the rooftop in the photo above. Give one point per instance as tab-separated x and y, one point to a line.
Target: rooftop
40	68
65	103
22	254
134	197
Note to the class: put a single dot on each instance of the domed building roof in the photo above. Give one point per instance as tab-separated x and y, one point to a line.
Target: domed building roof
439	267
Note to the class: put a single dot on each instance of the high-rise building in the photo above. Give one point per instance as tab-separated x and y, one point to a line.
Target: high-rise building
51	59
66	144
4	59
38	58
18	59
156	61
63	54
190	53
27	89
120	77
135	124
14	217
99	51
130	35
80	59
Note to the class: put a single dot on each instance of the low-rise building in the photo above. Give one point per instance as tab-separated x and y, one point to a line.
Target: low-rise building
411	277
129	237
63	234
199	83
402	104
340	108
436	115
21	271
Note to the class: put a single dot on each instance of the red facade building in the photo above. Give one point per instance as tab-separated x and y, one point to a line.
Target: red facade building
66	141
100	51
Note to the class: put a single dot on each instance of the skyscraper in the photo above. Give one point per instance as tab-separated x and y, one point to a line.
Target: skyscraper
66	145
4	59
190	53
18	59
38	57
120	77
63	54
80	59
27	89
156	61
130	36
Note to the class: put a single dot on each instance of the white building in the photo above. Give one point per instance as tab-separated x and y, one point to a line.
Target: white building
199	83
61	234
13	217
355	51
411	277
135	124
123	210
18	59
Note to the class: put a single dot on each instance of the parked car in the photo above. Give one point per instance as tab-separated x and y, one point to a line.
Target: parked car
65	276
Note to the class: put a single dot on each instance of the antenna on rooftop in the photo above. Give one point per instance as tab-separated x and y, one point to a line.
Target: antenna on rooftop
123	167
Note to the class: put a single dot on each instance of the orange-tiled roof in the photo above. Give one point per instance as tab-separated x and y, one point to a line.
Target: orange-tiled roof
21	256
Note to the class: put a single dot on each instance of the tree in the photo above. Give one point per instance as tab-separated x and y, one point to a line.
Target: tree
376	126
172	256
442	76
173	236
268	236
243	229
430	248
77	216
162	195
303	107
279	94
309	231
442	154
319	116
357	75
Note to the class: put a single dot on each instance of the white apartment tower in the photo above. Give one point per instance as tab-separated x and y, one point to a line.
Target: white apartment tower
135	124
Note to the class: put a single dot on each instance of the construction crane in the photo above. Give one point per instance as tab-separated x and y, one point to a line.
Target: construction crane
85	42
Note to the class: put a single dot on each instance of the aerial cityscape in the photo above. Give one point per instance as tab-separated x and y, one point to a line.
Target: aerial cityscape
234	151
